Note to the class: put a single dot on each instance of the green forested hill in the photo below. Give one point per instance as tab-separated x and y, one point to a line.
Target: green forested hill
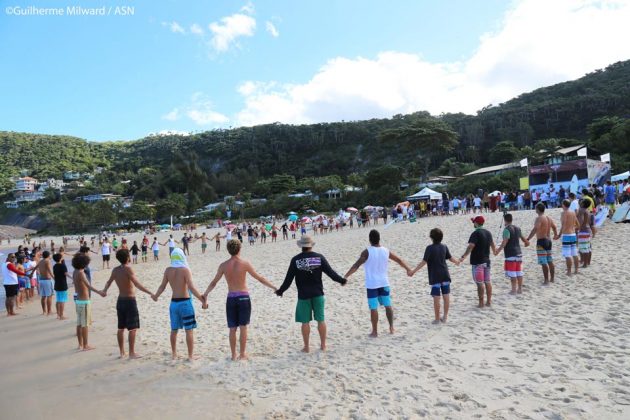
378	153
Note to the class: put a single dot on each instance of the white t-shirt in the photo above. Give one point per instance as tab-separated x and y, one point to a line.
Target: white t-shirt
106	248
574	206
477	202
29	265
376	267
171	243
155	246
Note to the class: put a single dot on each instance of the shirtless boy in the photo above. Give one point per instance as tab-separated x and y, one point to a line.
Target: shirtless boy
45	271
543	225
585	233
126	306
568	228
238	307
83	303
182	313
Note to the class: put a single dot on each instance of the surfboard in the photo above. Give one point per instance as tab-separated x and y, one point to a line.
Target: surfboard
600	216
621	212
390	223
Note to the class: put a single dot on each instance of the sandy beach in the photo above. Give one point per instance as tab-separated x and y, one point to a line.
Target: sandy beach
560	351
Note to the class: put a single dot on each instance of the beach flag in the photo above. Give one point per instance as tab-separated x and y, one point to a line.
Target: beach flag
605	158
523	162
582	151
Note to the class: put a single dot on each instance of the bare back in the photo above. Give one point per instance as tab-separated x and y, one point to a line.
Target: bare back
569	222
584	219
44	268
235	271
178	278
80	285
122	276
543	227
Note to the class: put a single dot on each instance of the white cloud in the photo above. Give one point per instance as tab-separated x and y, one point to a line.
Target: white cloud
226	33
174	27
196	29
172	116
271	28
199	110
539	43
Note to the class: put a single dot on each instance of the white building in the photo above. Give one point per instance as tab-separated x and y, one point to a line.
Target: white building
11	204
97	197
71	175
26	184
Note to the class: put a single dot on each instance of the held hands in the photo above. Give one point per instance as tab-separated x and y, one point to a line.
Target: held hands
204	301
410	272
103	293
526	243
154	297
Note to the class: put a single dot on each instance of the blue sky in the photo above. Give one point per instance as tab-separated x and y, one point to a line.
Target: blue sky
190	66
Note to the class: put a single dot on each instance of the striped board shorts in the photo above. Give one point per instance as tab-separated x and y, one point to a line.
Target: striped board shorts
513	267
584	242
481	273
543	251
569	245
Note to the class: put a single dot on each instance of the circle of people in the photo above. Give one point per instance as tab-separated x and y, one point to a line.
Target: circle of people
21	275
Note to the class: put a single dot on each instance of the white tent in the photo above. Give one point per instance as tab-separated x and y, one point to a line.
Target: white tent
426	194
620	177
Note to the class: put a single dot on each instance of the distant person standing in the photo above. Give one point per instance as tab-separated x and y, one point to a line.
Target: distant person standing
585	233
46	290
569	225
106	250
479	245
513	256
543	225
155	247
376	259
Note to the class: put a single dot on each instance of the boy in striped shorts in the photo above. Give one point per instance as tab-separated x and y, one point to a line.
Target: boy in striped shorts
513	264
569	227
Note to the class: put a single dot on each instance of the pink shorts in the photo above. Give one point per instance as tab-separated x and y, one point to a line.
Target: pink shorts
481	273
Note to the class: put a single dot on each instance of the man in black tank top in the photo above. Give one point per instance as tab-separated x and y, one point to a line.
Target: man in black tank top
513	265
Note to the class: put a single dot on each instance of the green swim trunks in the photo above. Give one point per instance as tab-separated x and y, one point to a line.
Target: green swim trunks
307	309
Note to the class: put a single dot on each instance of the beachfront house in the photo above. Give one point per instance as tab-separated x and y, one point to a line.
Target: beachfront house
71	175
26	190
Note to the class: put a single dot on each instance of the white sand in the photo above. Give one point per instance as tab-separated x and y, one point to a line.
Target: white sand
554	352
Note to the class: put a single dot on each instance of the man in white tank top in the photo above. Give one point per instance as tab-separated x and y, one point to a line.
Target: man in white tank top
376	259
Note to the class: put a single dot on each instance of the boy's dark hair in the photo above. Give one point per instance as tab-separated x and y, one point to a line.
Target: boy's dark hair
540	207
122	255
507	217
84	249
436	235
80	261
45	254
566	203
57	257
19	259
572	195
585	204
233	246
375	237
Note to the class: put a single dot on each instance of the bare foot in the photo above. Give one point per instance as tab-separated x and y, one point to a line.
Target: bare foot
122	356
489	304
444	319
192	358
243	356
545	283
12	314
234	358
435	321
322	348
306	350
373	334
88	348
519	291
513	292
391	330
62	318
174	356
480	306
568	273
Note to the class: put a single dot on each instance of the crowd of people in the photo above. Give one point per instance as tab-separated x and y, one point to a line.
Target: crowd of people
42	268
